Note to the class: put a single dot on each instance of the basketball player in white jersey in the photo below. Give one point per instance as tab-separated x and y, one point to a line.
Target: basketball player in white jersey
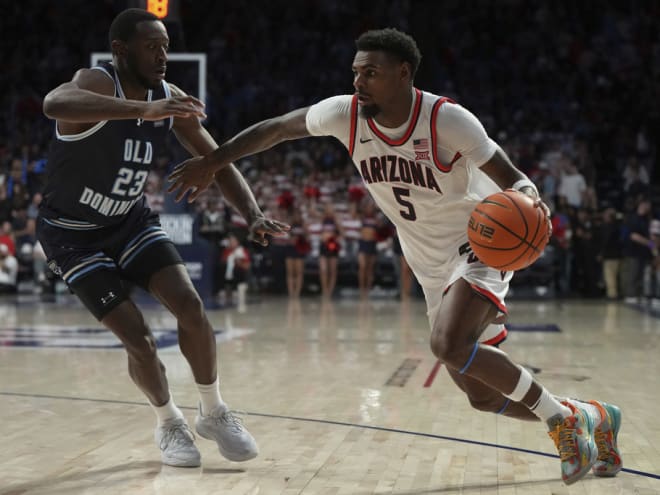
427	162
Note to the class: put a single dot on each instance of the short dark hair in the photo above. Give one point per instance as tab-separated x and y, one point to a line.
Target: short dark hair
393	42
123	26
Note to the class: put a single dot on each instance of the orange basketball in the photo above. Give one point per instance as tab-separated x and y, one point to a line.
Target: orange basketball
506	231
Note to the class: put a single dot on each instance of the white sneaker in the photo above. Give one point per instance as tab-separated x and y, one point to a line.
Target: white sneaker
234	441
176	443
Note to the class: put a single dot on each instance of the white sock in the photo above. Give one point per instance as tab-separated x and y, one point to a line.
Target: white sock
548	406
592	410
210	397
167	412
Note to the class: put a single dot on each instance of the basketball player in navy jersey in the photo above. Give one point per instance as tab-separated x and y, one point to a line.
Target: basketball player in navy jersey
98	232
427	162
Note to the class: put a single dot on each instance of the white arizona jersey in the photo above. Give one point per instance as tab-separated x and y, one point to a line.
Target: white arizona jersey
423	175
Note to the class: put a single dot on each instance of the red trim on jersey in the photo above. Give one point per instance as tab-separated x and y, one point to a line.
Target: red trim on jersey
490	296
498	339
411	127
434	136
354	116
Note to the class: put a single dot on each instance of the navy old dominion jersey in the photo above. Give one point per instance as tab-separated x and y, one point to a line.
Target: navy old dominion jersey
96	177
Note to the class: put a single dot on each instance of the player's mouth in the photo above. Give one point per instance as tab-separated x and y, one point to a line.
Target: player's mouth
363	99
160	72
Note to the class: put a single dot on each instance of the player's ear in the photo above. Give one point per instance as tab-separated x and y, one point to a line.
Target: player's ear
119	48
406	71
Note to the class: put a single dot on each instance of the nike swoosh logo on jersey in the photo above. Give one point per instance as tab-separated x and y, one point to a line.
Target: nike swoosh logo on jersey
365	140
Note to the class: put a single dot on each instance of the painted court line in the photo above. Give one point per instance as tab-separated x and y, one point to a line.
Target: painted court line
434	371
327	422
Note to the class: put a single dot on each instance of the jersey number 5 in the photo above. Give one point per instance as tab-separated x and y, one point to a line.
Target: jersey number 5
400	193
129	183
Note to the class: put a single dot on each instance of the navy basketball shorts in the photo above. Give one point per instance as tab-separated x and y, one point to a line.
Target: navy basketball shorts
100	265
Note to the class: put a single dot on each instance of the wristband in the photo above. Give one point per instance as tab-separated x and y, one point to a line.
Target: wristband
518	185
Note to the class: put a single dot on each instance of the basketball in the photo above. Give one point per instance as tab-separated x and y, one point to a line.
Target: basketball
506	231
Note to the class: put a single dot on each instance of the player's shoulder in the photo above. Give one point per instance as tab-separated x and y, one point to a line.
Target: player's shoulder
96	79
175	90
340	104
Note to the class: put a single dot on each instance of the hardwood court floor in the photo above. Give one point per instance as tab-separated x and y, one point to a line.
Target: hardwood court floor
340	396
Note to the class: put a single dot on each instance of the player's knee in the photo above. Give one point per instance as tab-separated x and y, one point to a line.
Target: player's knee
448	347
190	309
142	349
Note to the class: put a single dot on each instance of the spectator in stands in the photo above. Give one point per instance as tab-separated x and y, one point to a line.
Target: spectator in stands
298	250
637	251
329	253
8	271
7	237
572	185
652	273
5	205
584	247
546	179
153	191
610	245
23	228
635	176
351	224
367	251
402	269
561	241
236	268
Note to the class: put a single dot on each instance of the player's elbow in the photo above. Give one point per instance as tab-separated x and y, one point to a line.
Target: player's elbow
51	105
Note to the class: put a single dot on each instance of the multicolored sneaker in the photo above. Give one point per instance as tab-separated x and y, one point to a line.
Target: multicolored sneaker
609	459
574	439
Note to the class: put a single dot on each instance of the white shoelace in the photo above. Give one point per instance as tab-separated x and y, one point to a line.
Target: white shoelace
233	422
178	434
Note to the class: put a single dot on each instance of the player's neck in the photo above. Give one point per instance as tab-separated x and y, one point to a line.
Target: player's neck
133	90
397	113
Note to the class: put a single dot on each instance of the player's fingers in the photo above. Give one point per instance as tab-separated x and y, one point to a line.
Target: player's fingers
172	187
195	101
283	226
180	194
258	238
195	192
272	227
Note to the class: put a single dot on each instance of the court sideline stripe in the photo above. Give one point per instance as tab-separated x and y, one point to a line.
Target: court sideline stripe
434	371
324	421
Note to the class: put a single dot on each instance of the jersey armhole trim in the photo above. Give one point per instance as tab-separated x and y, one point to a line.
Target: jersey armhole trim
434	136
168	94
95	127
81	135
353	131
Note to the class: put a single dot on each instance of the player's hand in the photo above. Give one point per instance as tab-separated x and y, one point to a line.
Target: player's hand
177	106
538	202
262	226
193	175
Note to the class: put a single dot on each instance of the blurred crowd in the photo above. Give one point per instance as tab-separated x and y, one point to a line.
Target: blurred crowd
570	91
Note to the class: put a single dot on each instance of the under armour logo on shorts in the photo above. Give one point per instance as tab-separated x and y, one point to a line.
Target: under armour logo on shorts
54	268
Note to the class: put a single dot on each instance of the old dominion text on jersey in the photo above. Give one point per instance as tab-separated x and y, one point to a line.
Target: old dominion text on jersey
97	176
392	168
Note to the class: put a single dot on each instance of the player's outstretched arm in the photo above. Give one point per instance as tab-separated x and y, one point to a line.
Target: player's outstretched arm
89	98
196	174
197	140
